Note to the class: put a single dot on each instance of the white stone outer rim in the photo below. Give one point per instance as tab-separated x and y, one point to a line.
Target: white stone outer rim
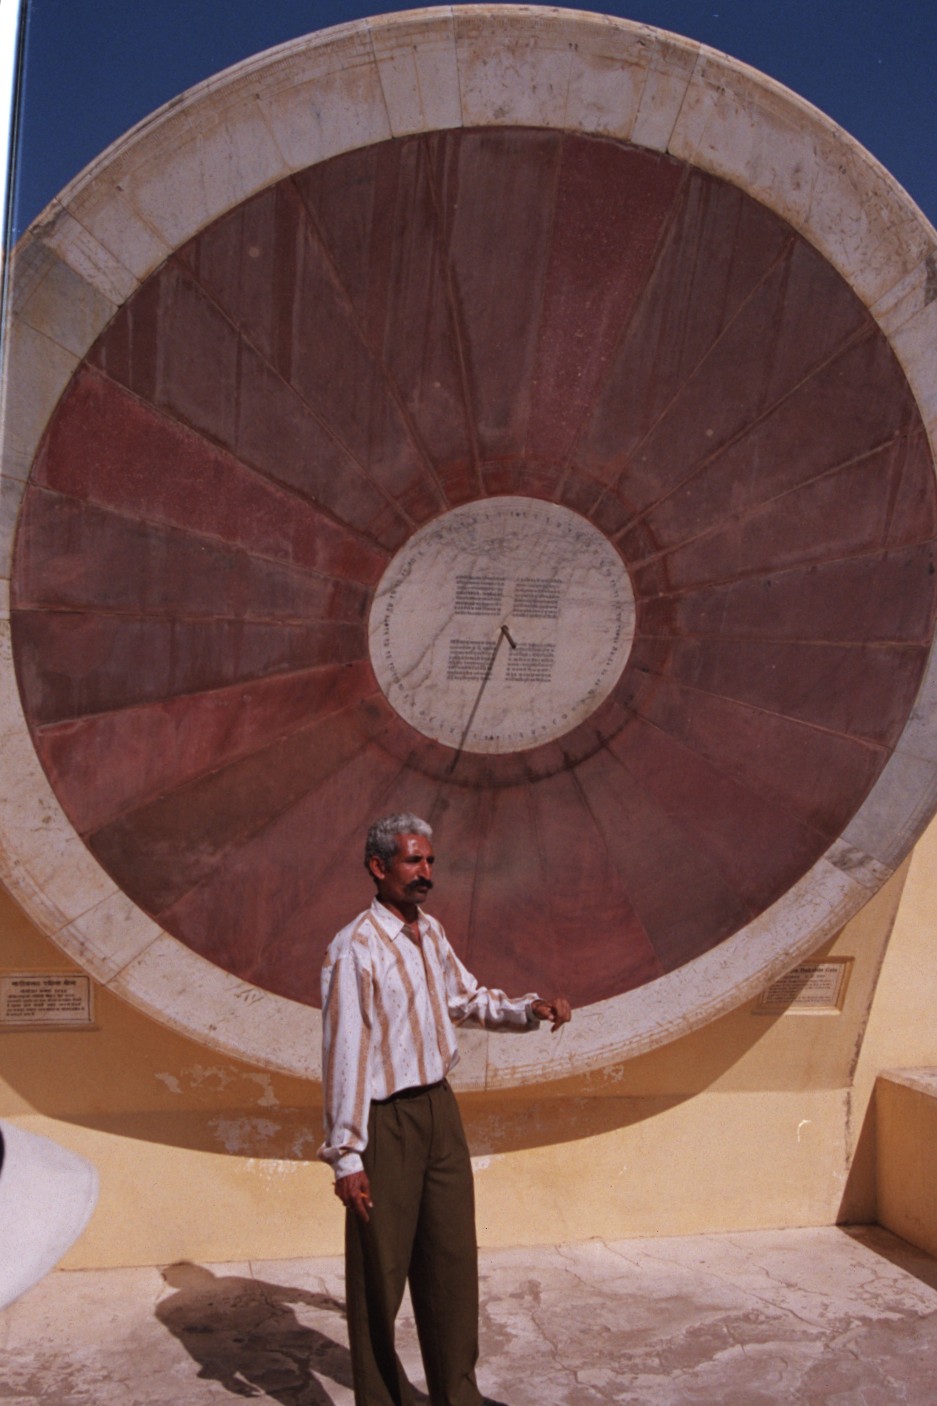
348	87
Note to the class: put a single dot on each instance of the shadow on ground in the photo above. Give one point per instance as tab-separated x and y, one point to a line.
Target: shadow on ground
901	1253
245	1335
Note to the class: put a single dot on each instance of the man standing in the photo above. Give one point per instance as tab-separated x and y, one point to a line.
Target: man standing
392	990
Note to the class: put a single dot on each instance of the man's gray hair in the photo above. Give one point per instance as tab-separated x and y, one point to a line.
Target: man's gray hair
382	837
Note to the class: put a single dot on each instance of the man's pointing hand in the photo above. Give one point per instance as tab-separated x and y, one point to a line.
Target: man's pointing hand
557	1009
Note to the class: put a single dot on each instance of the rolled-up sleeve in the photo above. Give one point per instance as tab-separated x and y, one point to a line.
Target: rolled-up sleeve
347	1001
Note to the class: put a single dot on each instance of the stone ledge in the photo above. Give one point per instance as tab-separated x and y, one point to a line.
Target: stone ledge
922	1079
906	1153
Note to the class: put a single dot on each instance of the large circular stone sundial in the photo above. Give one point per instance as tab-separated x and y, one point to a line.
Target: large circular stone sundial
501	625
516	417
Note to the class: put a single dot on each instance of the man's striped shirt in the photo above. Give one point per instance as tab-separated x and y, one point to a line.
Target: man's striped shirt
389	1007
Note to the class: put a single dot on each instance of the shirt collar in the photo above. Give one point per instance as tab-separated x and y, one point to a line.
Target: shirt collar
392	924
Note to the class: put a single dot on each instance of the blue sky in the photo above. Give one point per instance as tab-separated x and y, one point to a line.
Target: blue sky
93	68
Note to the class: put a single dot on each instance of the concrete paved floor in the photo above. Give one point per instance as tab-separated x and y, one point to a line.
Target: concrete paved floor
843	1318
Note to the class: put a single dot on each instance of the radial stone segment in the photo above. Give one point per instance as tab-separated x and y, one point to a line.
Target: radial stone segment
547	482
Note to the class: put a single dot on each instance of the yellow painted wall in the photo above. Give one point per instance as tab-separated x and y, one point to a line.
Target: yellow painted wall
902	1037
906	1114
751	1122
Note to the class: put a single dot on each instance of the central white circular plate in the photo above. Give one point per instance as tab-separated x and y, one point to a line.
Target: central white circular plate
501	625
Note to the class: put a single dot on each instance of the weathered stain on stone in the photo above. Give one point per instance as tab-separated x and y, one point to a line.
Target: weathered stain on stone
930	282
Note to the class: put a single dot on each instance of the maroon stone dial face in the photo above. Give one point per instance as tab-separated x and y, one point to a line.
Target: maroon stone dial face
355	352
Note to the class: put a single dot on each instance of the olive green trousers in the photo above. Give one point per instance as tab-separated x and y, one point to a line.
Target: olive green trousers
421	1229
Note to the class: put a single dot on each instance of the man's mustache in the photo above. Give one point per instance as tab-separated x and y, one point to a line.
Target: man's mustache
426	884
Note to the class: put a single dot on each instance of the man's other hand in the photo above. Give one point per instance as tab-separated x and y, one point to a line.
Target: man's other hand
354	1191
557	1009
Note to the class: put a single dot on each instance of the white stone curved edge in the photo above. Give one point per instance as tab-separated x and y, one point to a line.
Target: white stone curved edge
313	99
